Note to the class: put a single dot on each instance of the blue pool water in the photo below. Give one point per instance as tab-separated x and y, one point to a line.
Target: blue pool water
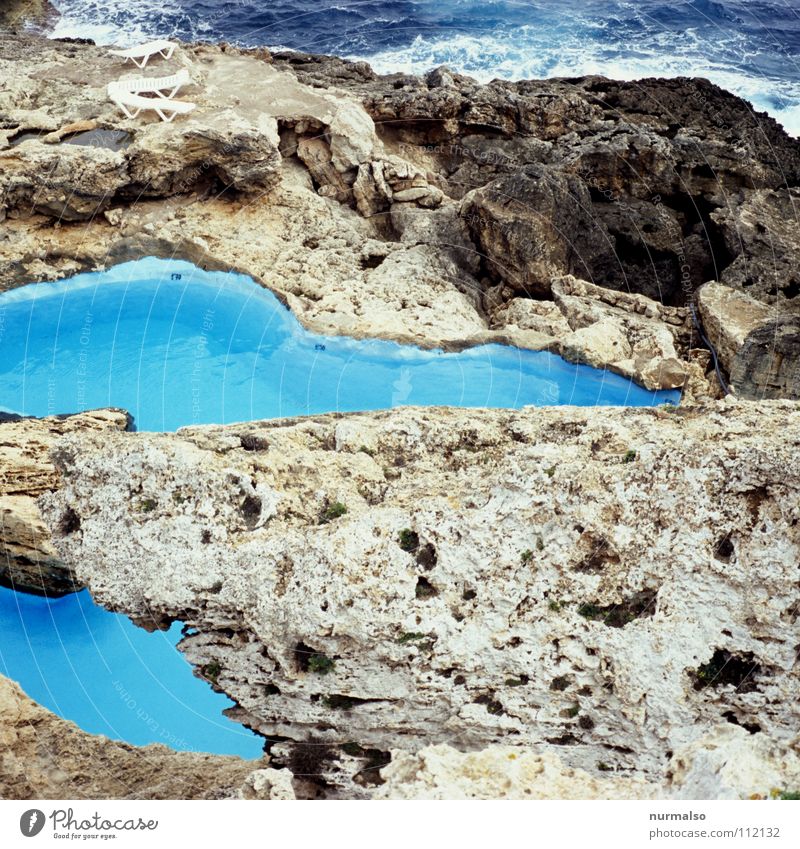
110	677
176	346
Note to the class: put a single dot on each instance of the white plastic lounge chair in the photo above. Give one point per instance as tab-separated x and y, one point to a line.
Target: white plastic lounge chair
141	55
132	104
166	87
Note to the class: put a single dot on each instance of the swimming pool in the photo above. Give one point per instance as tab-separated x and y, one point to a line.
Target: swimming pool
110	677
174	346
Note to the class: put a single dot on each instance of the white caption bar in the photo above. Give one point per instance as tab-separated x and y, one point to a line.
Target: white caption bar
593	824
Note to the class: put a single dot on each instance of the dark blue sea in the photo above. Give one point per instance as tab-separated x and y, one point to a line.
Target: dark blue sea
751	47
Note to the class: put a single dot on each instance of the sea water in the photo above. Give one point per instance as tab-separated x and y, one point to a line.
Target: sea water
750	47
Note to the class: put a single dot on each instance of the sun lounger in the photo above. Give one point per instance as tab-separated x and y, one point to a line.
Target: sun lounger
132	104
166	87
140	55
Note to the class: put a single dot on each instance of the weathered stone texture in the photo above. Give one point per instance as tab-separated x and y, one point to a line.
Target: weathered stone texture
577	580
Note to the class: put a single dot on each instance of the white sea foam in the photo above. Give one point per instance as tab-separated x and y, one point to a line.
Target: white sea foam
110	21
486	58
520	52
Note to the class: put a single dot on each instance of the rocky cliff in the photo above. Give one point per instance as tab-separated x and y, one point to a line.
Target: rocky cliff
602	601
28	561
606	585
578	216
27	14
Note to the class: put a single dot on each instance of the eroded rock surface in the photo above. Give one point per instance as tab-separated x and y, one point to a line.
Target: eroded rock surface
761	231
757	343
28	560
669	165
729	317
768	365
727	763
17	14
609	594
580	581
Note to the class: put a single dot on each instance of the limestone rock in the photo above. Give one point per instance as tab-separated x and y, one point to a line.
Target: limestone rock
372	193
444	229
317	157
269	784
19	13
28	560
547	175
768	365
72	184
729	316
761	230
728	762
45	757
725	763
757	344
702	383
393	180
629	334
530	578
662	159
352	136
649	252
534	226
528	314
498	772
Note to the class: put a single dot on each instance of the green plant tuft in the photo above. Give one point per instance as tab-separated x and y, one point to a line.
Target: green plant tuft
789	795
320	663
410	637
332	511
408	539
211	671
590	611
